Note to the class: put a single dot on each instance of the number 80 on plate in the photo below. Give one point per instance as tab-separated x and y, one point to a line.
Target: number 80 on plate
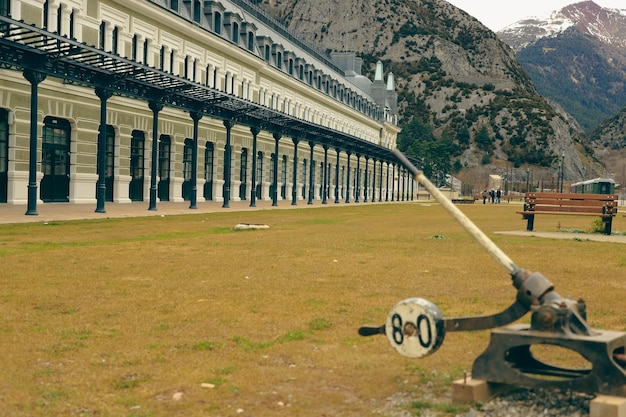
415	328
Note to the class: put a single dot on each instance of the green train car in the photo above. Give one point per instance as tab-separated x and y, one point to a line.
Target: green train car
594	186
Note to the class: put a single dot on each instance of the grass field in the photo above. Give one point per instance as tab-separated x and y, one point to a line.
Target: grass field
184	316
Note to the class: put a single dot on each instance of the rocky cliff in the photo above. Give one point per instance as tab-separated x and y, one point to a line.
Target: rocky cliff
453	74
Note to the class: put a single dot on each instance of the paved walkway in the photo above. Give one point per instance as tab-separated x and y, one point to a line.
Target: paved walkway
596	237
10	213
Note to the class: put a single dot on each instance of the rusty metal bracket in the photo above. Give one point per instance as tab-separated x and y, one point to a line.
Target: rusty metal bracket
508	359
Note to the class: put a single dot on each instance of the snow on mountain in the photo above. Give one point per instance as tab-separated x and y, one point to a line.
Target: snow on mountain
607	25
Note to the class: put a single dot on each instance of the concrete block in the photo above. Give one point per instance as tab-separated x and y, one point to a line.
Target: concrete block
607	406
468	390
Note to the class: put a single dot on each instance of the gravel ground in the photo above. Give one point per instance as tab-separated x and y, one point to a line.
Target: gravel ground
521	402
535	403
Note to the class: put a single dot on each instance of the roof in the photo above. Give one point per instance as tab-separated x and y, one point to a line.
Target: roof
29	48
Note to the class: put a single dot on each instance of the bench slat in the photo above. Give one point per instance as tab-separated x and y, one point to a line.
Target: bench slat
565	213
575	196
566	209
571	203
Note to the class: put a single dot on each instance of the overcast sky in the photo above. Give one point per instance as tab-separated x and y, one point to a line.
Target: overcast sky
496	14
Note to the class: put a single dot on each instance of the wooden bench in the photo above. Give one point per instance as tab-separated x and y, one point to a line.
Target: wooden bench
600	205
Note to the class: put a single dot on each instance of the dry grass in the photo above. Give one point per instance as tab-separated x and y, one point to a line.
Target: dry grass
130	317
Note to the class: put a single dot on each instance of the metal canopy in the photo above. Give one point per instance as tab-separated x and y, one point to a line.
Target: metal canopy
29	48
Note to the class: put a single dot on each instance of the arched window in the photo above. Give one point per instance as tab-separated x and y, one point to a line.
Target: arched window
55	161
146	45
187	156
137	149
101	35
259	175
208	171
4	154
321	179
304	173
114	39
45	13
59	19
187	168
109	167
272	174
72	24
243	173
165	146
283	178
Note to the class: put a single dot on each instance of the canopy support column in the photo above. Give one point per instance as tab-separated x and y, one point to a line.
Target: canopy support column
34	78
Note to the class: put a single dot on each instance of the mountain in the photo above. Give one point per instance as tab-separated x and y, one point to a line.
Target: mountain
577	57
609	143
454	76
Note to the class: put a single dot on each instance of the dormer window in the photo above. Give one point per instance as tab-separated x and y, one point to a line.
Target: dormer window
265	47
214	11
217	23
248	32
235	33
277	51
174	5
232	23
250	41
196	11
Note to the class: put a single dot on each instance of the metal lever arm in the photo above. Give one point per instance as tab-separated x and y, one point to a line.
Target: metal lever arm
512	313
467	224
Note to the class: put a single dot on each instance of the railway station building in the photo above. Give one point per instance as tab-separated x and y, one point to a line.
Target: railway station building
185	100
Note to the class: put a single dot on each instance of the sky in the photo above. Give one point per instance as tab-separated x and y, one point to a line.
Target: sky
497	14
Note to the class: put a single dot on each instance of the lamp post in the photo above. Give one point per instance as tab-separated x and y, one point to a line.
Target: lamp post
562	170
527	178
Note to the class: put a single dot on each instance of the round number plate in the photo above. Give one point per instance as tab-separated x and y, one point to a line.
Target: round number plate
415	327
